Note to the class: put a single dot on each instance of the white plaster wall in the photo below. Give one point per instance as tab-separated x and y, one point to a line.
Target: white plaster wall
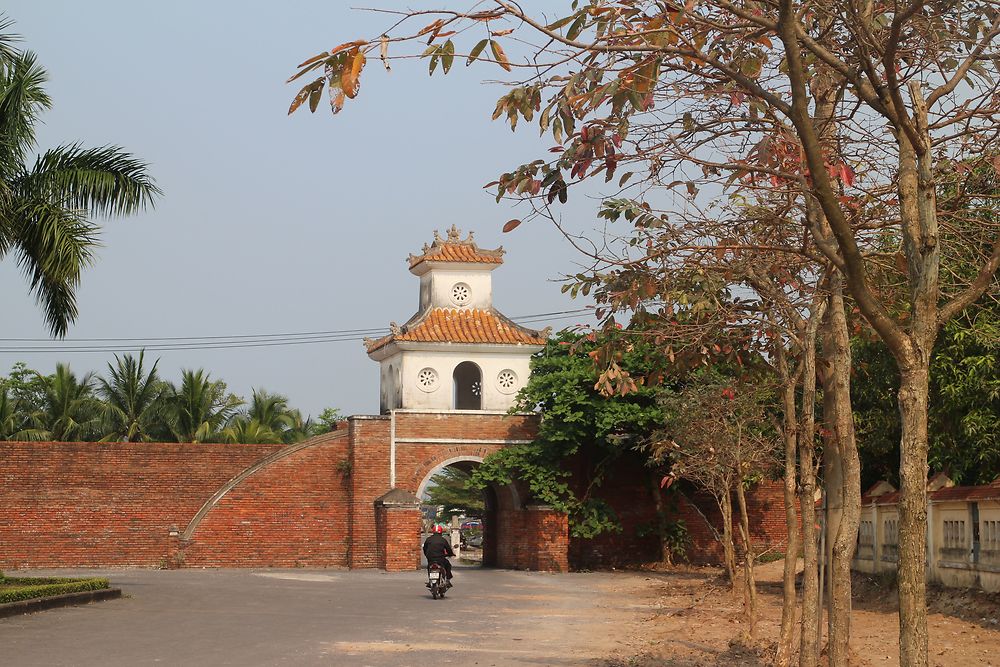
953	566
436	285
445	361
387	382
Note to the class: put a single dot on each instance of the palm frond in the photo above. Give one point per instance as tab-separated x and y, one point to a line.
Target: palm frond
22	99
8	52
104	180
53	245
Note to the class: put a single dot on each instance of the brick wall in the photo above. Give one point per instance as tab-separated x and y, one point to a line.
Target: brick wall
292	513
369	479
630	490
115	504
106	504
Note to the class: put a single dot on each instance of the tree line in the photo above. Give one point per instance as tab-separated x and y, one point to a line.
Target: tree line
131	403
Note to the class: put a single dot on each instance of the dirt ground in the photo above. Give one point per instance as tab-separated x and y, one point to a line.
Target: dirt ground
687	617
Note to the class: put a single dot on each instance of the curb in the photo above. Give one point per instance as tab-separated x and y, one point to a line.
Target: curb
65	600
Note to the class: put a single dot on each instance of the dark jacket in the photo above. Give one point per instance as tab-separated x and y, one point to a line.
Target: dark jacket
437	546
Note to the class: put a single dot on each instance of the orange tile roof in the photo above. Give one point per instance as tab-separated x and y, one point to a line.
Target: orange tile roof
454	249
452	325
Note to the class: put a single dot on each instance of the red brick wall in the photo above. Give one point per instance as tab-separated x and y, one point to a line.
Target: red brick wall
628	488
533	539
369	479
106	504
292	513
465	426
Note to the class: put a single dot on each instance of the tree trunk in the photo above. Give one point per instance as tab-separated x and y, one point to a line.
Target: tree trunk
725	501
790	435
749	580
913	516
840	421
809	644
666	554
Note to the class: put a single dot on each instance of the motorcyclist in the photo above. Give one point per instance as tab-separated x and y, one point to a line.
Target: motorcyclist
437	549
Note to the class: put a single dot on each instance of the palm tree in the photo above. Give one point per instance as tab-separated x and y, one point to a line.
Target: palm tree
132	400
199	408
69	409
248	431
15	424
267	419
45	207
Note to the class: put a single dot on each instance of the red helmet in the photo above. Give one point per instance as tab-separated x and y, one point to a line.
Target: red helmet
438	528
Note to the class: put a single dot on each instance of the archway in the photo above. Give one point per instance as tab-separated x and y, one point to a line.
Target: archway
479	515
468	383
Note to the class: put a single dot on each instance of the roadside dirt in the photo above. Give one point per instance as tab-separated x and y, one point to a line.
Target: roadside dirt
687	618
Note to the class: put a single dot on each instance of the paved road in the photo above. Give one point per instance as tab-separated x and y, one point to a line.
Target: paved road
323	617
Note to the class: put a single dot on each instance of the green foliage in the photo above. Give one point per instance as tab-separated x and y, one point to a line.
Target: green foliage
451	489
44	206
964	413
199	407
69	409
326	422
673	536
17	589
577	421
133	405
132	400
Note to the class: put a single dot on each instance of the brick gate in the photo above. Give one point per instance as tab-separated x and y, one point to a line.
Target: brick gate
393	458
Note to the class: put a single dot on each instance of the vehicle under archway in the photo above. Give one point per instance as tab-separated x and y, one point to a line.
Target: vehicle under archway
473	515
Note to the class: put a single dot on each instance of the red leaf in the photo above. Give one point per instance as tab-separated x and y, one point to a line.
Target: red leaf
511	225
846	174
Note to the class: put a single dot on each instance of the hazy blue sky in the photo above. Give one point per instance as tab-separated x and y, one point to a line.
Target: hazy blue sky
270	223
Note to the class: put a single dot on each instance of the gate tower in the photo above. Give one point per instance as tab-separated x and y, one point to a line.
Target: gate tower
457	352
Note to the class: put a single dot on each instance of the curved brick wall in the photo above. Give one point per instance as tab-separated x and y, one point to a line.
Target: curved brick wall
291	513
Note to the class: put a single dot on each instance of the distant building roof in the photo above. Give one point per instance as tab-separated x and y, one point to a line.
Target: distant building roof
454	249
452	325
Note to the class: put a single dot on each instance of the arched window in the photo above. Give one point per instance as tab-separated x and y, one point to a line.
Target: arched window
468	386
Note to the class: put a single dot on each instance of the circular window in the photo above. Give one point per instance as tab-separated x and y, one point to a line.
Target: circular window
460	294
507	381
477	388
427	379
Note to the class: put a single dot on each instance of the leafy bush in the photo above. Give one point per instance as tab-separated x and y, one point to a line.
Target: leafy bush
17	589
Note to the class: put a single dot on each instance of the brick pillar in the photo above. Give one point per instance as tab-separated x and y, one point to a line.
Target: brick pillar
369	443
546	539
397	529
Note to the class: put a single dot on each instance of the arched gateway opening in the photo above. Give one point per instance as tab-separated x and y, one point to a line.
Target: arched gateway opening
474	519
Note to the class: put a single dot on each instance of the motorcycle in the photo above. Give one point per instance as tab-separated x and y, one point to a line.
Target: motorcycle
437	580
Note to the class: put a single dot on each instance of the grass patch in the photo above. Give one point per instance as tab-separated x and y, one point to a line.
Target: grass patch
770	557
16	589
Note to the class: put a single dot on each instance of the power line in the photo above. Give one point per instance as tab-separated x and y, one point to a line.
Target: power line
177	343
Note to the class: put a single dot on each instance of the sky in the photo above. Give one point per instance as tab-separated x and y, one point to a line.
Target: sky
273	224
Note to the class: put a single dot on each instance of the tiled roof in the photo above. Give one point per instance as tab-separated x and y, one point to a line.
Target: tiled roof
966	493
470	325
454	249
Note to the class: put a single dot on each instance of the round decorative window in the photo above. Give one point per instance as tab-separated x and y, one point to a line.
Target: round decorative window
507	381
460	294
427	379
477	388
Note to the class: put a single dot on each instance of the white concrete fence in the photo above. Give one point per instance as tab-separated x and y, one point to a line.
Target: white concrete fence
963	533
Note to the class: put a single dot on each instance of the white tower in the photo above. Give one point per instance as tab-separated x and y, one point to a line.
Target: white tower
457	352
